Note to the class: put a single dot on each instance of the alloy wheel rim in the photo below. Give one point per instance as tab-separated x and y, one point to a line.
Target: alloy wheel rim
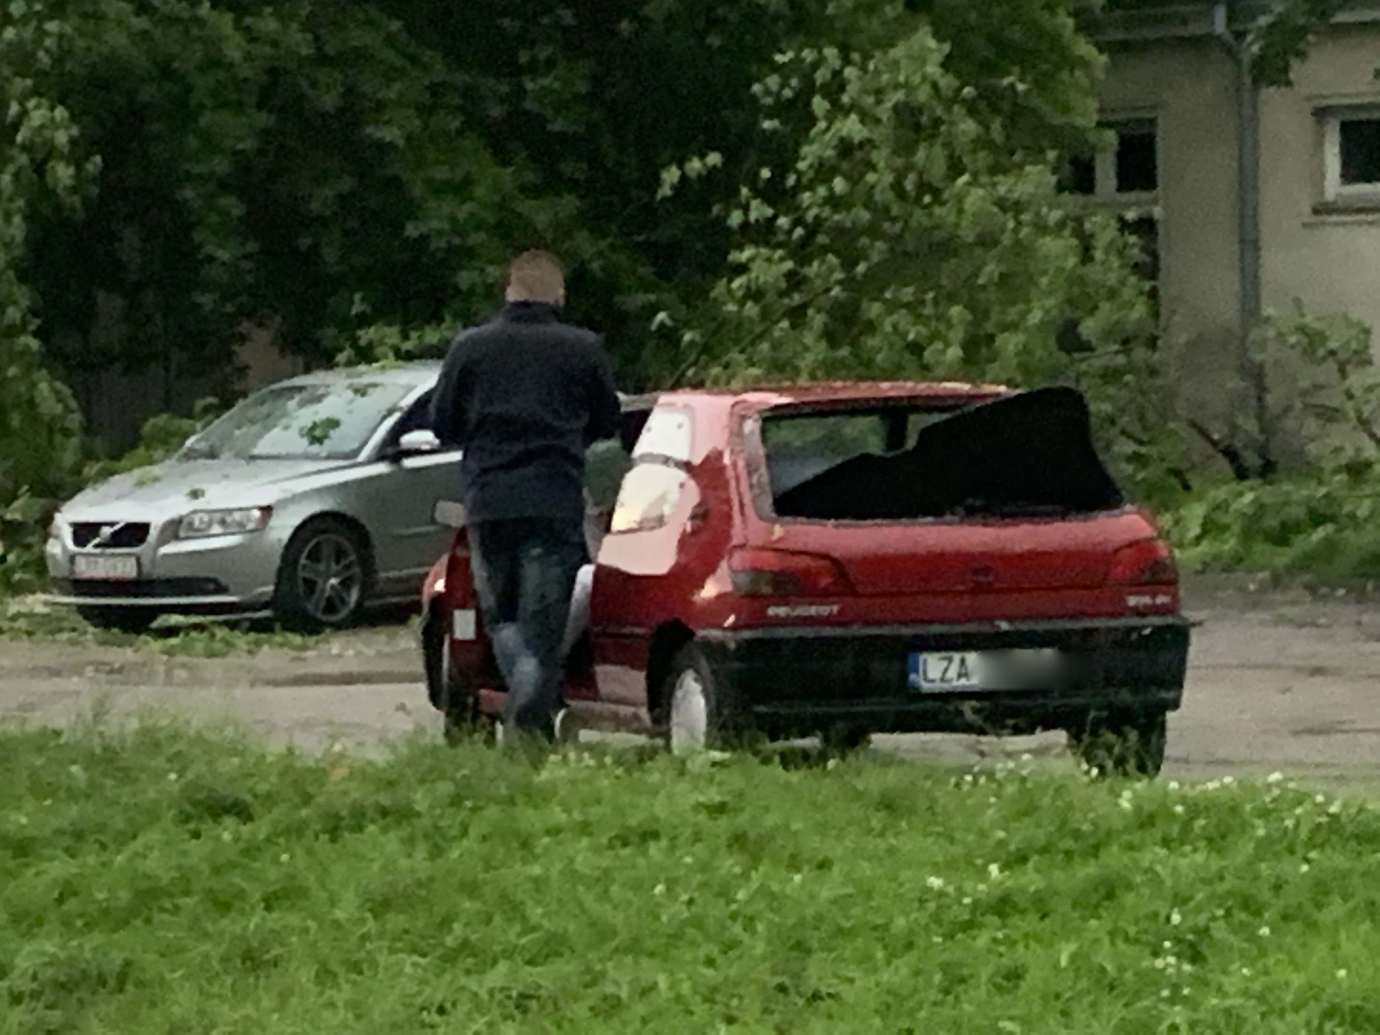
330	578
689	714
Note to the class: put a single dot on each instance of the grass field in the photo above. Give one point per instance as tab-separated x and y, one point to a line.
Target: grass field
166	880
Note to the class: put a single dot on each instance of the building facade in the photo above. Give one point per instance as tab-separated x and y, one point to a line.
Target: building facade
1255	197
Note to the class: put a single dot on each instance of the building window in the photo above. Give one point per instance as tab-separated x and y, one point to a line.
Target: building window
1360	152
1351	154
1124	177
1127	169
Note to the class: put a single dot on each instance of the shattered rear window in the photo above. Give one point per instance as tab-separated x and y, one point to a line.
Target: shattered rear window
1028	455
801	446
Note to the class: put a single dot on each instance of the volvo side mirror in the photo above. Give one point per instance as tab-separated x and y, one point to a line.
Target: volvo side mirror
415	442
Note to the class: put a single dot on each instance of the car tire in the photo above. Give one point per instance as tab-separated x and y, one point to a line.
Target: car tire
698	713
1122	745
324	576
133	620
435	662
458	705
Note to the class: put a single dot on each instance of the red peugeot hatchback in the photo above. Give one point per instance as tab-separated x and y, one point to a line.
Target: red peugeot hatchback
844	559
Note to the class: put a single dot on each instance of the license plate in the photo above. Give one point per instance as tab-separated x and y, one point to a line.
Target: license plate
946	671
958	671
113	569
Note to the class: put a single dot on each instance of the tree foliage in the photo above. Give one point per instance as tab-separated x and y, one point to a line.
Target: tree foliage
40	163
325	167
1281	38
909	231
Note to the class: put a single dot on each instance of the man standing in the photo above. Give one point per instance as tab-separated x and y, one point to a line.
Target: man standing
524	395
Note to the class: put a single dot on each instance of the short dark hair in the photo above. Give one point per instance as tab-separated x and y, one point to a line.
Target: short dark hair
536	276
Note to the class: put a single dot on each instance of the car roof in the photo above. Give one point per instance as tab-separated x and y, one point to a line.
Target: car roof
413	373
827	392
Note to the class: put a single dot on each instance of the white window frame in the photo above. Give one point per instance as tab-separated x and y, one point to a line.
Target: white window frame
1104	164
1334	190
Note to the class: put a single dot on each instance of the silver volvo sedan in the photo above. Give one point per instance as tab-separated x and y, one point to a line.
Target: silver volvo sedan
313	498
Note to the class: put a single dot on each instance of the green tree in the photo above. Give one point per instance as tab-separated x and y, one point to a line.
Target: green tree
912	232
39	163
330	167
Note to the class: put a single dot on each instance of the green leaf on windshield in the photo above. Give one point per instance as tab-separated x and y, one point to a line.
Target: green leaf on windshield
319	432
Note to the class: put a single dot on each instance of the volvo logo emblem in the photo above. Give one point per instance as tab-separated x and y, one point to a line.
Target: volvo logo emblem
107	533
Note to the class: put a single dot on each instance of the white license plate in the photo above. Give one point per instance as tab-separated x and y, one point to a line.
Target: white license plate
945	671
121	568
463	625
958	671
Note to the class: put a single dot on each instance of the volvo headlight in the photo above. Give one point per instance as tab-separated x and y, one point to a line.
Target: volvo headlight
204	523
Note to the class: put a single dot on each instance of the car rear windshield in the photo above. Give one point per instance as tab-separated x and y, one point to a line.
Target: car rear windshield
325	421
1024	455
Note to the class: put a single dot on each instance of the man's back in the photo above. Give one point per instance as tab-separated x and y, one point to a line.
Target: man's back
524	395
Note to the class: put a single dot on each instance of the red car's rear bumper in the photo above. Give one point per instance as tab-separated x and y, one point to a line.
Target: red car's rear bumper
797	681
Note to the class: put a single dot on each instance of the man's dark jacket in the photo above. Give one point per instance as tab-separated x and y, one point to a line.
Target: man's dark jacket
524	396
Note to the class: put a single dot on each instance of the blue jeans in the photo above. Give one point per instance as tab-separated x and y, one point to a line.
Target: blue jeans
524	573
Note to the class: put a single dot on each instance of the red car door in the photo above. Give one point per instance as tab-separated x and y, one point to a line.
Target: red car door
667	538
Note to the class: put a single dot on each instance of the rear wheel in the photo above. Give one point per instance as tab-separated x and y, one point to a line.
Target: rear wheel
448	695
699	713
133	620
1122	745
323	576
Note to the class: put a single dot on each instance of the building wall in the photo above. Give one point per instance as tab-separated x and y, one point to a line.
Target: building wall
1189	87
1329	261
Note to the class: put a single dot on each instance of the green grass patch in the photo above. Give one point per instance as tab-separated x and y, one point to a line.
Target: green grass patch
166	880
20	619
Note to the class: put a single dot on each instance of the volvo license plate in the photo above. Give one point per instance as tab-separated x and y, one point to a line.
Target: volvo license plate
121	568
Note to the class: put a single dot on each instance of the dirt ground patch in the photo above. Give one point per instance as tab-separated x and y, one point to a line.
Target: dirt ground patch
1279	680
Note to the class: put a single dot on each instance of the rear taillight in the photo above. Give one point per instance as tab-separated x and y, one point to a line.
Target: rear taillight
785	573
1148	563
